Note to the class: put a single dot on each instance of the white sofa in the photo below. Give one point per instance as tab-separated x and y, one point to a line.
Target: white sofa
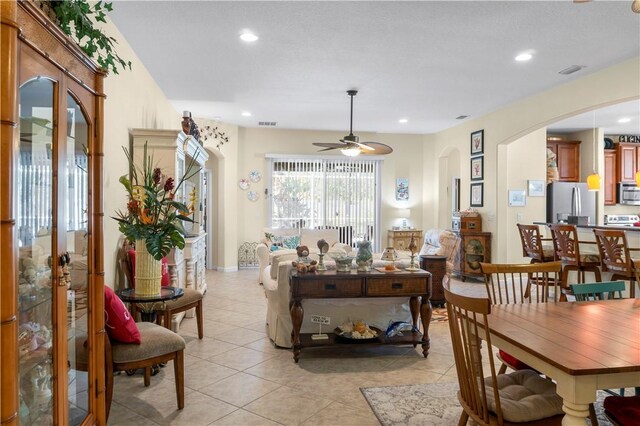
440	242
374	311
308	237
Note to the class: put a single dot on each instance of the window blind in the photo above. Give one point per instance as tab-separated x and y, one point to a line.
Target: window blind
315	193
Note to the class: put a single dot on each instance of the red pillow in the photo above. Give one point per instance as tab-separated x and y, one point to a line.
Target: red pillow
166	278
625	410
513	361
117	319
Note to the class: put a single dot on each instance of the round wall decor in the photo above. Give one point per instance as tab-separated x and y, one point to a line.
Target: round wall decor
255	176
244	184
252	196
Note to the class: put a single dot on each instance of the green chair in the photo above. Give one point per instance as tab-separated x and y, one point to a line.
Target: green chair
598	291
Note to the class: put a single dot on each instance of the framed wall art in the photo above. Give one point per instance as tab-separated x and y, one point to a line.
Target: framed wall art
517	198
402	189
536	188
477	168
477	195
477	142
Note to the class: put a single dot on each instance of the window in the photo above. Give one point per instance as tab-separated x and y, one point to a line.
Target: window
326	193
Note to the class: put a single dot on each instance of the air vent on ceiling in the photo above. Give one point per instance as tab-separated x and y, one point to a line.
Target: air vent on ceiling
267	123
461	117
571	69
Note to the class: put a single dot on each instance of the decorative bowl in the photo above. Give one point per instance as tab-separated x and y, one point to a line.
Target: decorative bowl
343	262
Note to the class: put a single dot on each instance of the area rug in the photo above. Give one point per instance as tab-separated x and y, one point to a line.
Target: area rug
429	404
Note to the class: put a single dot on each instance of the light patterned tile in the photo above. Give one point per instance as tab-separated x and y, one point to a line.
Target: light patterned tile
244	418
241	358
119	415
343	415
204	373
207	347
240	336
278	406
240	389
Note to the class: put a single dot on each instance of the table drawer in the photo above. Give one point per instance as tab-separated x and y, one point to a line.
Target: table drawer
396	286
327	288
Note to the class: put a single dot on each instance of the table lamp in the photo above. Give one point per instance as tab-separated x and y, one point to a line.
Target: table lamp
404	214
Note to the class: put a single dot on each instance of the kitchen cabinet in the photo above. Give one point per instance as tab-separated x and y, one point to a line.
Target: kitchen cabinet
627	161
400	240
567	158
610	157
51	280
475	247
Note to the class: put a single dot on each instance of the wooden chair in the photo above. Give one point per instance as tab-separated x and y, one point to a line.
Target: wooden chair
480	397
191	299
615	257
598	291
157	345
512	284
567	249
532	245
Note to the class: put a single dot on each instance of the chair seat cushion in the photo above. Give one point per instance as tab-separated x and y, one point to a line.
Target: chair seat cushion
547	252
623	410
524	396
190	296
155	341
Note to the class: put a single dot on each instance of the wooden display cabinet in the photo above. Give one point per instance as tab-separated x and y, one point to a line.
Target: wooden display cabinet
399	239
51	280
567	158
475	247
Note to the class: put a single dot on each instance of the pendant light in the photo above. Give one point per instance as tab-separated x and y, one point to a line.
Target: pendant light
593	180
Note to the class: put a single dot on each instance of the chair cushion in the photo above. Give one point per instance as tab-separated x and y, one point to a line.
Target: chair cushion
524	396
623	410
512	361
547	252
118	320
190	296
155	341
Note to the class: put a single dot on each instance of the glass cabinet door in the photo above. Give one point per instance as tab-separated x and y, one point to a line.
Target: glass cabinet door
34	224
76	211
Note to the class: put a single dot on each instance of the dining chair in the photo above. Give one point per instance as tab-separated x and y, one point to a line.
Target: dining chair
622	411
512	284
532	244
486	399
566	247
157	345
615	257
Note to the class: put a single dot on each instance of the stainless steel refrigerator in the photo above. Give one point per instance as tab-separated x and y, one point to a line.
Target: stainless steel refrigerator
570	202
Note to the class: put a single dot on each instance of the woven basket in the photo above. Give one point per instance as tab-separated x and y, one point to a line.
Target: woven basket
148	271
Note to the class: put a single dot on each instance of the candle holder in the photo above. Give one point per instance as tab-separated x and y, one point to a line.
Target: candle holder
321	266
413	266
413	248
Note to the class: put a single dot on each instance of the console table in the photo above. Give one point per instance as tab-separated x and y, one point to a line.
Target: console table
333	284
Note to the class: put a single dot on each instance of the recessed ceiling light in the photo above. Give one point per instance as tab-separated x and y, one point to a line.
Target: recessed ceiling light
246	114
248	36
523	57
403	120
624	120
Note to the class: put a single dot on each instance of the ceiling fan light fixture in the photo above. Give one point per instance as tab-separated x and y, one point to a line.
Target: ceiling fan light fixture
351	152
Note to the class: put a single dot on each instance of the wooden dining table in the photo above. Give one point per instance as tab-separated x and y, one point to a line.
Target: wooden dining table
582	346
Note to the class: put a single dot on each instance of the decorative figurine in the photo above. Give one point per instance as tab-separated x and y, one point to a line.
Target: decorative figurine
413	248
364	258
323	246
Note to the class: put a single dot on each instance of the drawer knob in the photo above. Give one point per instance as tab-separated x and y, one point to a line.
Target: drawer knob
329	286
396	286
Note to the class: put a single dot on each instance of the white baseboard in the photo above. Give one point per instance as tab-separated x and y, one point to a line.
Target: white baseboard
228	269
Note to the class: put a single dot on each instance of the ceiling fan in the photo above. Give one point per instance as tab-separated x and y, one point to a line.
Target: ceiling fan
350	146
635	5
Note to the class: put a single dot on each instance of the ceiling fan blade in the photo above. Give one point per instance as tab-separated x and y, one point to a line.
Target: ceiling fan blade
378	148
364	146
329	145
329	149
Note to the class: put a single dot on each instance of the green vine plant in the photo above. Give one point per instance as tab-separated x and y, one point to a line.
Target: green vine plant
77	19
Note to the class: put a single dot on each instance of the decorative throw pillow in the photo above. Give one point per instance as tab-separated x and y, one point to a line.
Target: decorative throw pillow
118	320
291	242
166	278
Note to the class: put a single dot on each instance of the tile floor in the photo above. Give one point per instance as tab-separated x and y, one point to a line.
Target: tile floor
235	376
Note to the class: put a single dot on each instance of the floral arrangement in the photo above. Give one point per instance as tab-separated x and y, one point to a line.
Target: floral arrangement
153	214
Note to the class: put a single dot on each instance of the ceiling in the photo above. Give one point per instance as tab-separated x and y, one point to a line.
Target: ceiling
428	62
